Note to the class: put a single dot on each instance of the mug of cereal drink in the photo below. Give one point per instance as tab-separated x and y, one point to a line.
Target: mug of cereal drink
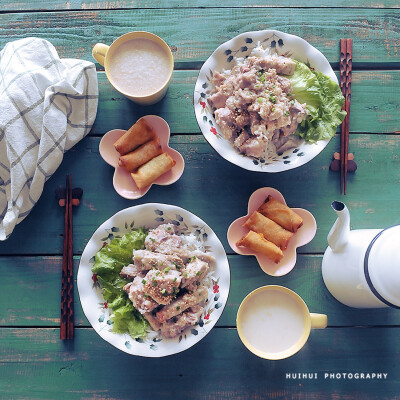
274	322
138	64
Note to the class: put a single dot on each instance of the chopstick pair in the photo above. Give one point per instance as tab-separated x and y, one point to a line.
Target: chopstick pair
67	198
346	56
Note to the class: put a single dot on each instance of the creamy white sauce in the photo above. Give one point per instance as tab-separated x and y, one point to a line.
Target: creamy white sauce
275	322
139	67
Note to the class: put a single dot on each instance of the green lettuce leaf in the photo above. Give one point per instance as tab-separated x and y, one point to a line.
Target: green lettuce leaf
107	265
127	319
324	102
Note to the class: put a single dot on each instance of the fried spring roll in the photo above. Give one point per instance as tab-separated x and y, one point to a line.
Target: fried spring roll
141	155
139	133
281	214
149	172
257	242
269	229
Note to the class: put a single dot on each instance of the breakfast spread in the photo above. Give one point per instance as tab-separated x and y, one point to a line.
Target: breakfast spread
264	105
141	154
270	229
152	281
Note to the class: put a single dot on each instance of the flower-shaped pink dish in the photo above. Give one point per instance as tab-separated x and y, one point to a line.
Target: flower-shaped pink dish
303	236
123	183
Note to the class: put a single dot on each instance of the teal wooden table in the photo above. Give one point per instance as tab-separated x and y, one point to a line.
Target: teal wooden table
35	364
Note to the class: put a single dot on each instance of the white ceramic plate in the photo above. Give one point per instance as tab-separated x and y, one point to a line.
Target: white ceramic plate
149	216
224	58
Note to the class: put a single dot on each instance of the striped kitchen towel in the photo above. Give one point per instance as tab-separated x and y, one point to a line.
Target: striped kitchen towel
47	105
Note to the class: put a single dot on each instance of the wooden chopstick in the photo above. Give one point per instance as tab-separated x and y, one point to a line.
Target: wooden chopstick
67	299
70	316
346	56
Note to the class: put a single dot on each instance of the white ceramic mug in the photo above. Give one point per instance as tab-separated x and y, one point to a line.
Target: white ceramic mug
158	73
274	322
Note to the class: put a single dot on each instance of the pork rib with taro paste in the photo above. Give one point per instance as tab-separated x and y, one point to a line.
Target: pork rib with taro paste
194	272
145	260
177	325
162	286
182	303
254	107
129	272
164	240
168	280
139	298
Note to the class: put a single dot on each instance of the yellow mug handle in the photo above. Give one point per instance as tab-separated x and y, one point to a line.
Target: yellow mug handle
319	321
99	52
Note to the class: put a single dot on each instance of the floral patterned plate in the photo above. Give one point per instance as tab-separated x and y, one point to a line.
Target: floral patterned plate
224	58
151	215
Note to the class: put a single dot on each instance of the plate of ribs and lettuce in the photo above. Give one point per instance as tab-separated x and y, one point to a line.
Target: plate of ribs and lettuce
153	280
268	101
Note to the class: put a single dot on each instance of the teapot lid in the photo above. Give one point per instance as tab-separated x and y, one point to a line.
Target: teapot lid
382	266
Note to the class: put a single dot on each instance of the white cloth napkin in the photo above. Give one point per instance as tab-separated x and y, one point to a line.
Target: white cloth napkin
47	105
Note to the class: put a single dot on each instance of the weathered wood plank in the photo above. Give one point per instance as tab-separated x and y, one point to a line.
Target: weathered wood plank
313	186
24	5
35	286
217	368
375	105
375	31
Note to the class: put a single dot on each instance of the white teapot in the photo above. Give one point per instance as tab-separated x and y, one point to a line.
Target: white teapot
361	268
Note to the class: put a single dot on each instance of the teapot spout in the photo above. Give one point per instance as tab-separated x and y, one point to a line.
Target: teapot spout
339	234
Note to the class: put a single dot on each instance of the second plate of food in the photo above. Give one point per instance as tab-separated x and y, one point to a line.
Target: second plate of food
153	280
271	231
258	92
